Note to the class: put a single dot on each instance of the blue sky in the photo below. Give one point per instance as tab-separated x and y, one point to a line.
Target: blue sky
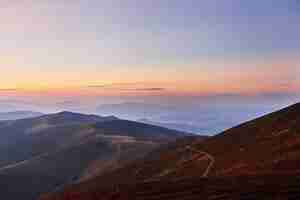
106	42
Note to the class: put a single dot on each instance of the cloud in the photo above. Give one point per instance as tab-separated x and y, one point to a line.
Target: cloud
126	87
97	86
67	103
112	85
148	89
8	90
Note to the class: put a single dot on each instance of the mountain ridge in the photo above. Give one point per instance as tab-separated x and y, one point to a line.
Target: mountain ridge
63	148
19	114
258	151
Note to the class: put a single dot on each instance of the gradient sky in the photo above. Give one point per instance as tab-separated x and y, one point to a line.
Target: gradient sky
138	47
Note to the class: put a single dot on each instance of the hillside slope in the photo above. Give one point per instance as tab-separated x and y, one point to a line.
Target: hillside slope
262	152
270	144
35	136
265	187
55	150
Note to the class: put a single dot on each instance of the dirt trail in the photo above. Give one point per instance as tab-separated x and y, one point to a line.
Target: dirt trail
22	162
199	156
205	156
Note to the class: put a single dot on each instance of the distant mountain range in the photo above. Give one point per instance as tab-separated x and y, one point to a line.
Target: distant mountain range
45	153
19	115
258	159
169	116
133	110
175	126
204	117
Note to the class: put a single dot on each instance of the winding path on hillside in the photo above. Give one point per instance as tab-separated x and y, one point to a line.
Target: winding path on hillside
22	162
199	156
205	156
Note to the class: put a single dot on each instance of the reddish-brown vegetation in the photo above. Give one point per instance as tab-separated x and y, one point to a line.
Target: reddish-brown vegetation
256	160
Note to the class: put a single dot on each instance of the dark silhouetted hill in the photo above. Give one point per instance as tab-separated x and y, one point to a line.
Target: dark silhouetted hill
45	153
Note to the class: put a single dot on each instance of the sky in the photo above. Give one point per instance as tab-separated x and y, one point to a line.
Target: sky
92	48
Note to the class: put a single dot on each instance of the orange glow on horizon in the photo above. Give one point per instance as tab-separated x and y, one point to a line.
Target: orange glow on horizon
222	77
